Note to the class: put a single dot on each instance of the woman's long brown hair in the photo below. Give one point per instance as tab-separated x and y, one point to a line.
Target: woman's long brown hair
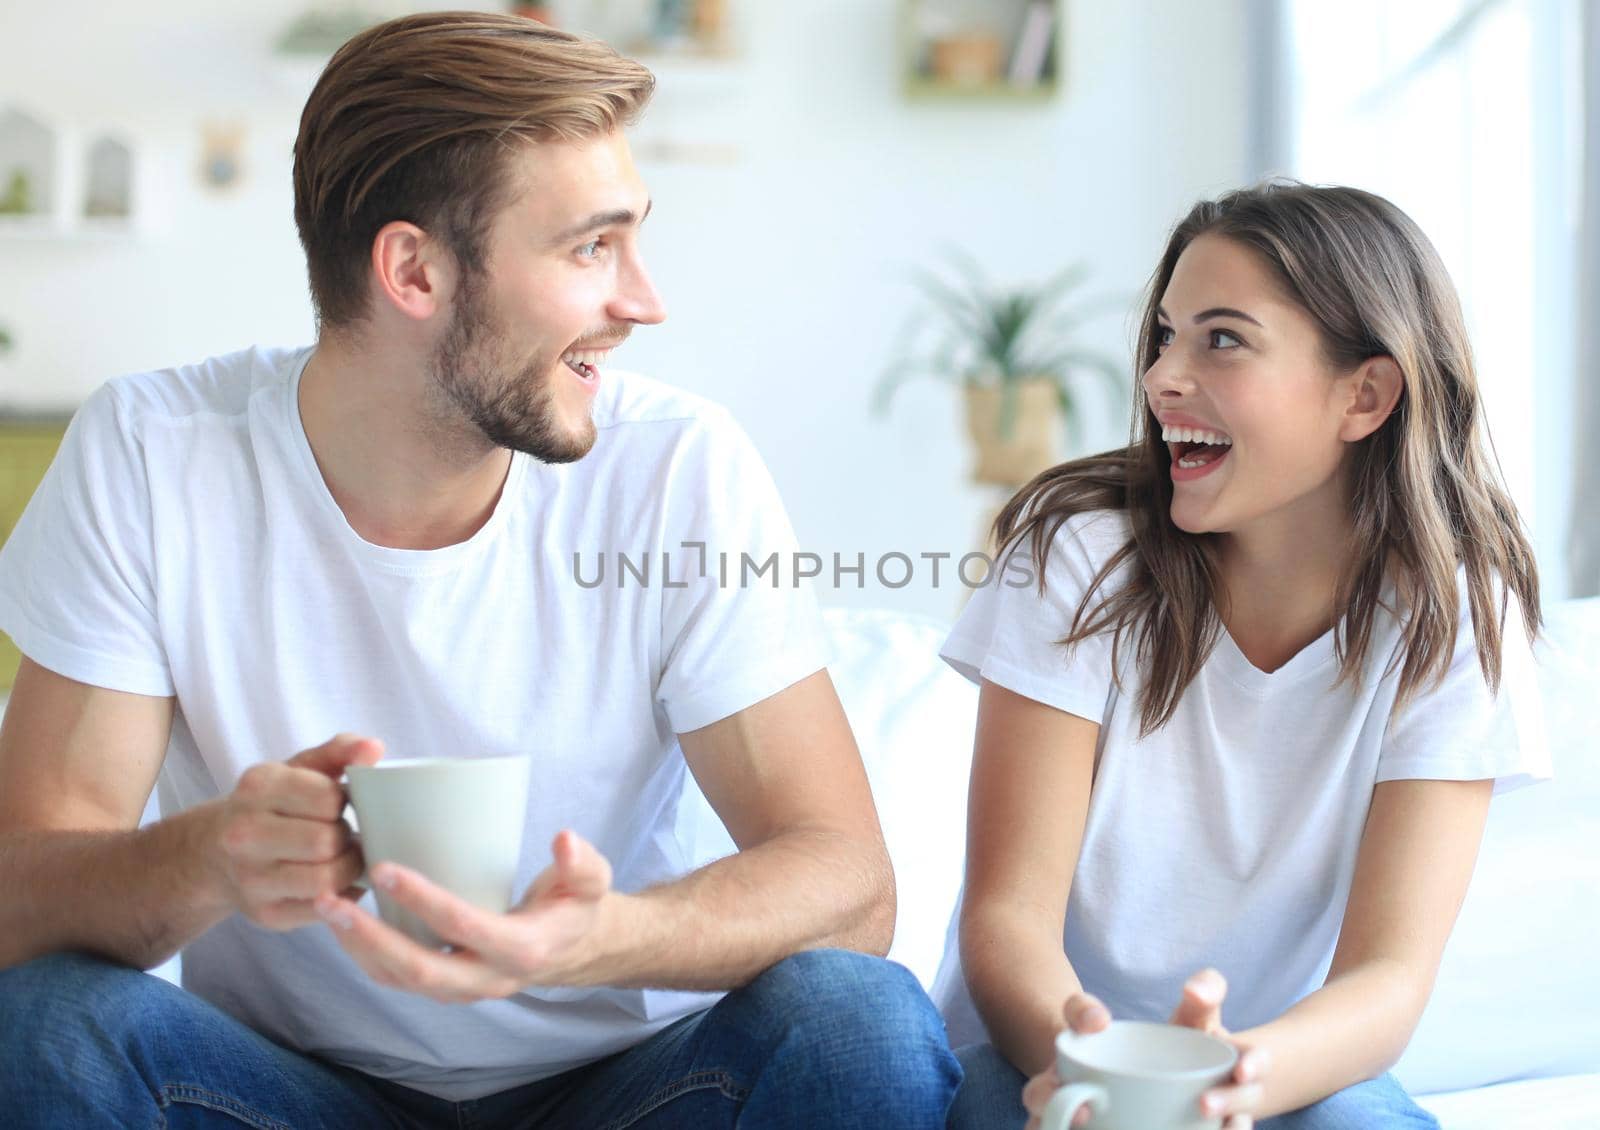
1426	493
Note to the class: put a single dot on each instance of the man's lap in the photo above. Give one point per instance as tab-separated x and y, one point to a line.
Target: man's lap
825	1030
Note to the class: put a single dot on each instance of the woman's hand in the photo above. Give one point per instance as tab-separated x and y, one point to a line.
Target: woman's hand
1084	1014
1201	1007
1237	1100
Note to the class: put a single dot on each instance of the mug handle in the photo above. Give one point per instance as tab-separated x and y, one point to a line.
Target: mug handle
361	881
1069	1100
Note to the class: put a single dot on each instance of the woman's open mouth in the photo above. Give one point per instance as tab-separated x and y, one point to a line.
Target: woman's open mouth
1196	452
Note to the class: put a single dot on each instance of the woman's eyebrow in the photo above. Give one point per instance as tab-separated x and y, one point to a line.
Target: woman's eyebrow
1214	312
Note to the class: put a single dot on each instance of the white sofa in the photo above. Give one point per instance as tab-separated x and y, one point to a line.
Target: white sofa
1511	1036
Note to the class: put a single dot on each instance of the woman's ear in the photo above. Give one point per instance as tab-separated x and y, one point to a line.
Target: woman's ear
408	271
1377	385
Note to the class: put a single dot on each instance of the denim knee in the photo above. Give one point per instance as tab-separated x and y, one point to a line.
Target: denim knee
57	1003
860	1021
68	1025
831	989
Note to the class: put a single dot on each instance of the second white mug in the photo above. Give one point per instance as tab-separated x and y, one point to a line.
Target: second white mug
1136	1075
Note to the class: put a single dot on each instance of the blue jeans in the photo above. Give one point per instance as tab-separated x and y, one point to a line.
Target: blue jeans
991	1098
824	1038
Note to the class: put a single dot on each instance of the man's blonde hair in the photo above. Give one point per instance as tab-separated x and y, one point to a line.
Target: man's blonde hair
416	119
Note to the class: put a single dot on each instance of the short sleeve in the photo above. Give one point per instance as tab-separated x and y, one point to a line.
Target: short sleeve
77	591
1010	633
739	621
1460	731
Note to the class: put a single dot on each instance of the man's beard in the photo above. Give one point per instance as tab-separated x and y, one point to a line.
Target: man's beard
513	407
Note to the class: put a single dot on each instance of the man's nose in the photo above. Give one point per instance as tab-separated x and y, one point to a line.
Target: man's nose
636	299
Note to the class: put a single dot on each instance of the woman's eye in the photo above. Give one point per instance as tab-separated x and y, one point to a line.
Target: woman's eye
1163	336
1222	339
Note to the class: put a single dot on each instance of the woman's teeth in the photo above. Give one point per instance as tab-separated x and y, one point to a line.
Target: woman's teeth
1195	435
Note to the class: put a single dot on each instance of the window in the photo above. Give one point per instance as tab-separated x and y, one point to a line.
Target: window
1464	113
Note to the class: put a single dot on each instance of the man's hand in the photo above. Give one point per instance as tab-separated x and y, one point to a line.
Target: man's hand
278	840
551	938
1201	1007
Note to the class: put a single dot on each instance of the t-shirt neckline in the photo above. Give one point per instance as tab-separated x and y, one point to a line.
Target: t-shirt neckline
389	558
1308	661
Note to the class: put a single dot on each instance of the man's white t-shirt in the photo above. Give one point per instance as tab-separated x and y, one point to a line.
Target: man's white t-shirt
1228	837
184	543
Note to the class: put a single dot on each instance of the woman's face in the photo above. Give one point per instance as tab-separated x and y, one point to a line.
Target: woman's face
1249	407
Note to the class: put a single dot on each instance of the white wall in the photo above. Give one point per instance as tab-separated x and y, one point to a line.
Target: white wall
784	271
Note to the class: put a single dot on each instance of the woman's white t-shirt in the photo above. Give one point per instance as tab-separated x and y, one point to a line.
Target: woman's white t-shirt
1228	837
184	543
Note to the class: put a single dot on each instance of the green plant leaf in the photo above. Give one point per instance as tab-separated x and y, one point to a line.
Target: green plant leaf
985	336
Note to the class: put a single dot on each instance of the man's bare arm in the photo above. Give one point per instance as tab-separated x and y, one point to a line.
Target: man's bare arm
77	764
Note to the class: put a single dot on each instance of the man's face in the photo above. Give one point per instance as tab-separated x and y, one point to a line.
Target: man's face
563	284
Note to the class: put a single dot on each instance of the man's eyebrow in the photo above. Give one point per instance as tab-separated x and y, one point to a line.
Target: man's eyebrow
623	217
1214	312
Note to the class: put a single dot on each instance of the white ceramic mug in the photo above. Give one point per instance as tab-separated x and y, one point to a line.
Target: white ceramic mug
457	821
1136	1075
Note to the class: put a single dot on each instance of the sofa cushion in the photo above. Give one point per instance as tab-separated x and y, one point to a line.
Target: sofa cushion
1571	1102
1518	994
913	719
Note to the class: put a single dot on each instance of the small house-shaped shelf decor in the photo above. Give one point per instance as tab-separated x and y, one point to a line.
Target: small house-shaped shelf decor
28	167
60	182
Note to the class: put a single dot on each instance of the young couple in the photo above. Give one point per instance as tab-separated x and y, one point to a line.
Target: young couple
1245	731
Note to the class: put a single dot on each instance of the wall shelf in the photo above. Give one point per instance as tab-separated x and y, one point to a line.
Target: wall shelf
62	182
994	51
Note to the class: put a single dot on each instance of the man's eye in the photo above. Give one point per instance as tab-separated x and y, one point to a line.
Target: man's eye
590	249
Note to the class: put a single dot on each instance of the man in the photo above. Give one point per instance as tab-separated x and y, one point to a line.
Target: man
378	538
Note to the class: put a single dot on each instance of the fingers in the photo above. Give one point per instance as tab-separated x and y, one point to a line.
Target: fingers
290	790
1231	1102
1036	1093
455	920
1242	1097
1036	1096
577	870
1084	1013
1201	1006
301	881
268	837
392	959
332	756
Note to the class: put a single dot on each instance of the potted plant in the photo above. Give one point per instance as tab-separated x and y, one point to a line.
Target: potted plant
1014	352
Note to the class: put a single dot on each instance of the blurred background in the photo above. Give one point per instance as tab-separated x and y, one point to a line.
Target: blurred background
880	226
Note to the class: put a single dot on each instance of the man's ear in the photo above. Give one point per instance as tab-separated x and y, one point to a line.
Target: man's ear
1375	390
410	271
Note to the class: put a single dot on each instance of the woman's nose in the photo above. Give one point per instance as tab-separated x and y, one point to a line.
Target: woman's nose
1167	377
